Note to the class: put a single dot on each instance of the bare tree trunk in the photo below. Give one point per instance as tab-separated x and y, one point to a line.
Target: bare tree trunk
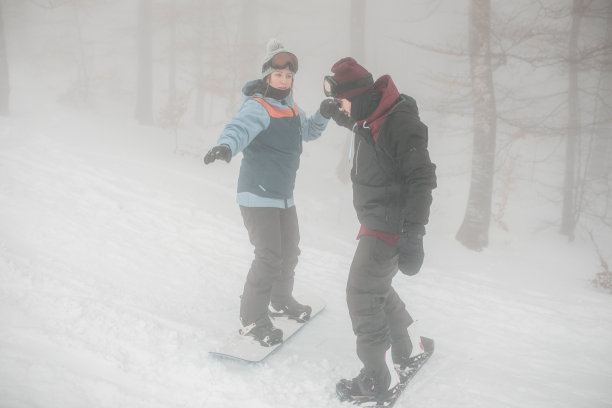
249	60
601	165
474	232
357	27
4	71
198	116
172	58
144	101
204	19
569	216
248	53
357	30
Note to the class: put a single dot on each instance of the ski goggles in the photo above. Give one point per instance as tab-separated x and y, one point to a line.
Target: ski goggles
331	88
282	60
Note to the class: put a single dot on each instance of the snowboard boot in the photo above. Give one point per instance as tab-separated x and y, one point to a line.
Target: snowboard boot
367	390
408	365
292	310
265	333
364	390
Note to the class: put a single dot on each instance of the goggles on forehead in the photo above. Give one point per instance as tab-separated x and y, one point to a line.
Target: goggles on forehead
331	88
283	60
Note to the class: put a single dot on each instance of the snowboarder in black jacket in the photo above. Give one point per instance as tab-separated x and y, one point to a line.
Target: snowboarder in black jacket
392	177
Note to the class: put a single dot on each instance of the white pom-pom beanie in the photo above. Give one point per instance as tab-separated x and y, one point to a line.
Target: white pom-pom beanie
273	48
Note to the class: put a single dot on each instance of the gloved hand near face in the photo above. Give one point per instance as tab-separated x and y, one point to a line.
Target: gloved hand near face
328	108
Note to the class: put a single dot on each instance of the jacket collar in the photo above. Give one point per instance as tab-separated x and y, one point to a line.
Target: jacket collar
389	98
257	87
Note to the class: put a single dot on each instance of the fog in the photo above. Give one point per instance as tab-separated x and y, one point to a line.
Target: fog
122	256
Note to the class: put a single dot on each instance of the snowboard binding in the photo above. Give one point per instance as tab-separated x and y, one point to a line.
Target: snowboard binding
361	391
293	310
266	335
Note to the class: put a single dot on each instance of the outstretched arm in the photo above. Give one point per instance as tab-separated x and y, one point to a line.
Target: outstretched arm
251	120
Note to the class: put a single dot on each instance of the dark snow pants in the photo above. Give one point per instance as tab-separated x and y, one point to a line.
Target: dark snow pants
378	315
275	234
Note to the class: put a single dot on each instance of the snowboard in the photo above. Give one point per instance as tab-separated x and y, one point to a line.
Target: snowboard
245	348
405	377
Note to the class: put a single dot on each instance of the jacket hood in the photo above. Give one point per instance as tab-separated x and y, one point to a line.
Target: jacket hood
408	104
389	97
252	88
391	101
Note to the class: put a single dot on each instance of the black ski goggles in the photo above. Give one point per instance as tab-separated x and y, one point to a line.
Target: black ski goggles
282	60
331	88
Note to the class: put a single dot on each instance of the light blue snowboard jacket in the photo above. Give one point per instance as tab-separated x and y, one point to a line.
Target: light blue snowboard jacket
251	120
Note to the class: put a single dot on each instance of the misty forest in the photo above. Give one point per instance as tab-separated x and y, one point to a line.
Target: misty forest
122	256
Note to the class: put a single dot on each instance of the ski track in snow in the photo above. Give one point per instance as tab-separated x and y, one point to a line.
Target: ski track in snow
120	269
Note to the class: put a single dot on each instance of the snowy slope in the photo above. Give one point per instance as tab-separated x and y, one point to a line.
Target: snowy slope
121	264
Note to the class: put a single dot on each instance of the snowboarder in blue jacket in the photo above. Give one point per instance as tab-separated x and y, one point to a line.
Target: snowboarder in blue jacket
269	129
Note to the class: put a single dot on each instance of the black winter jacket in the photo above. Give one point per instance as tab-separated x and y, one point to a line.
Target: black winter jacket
393	175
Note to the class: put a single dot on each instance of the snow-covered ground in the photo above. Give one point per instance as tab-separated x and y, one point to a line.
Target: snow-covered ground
121	264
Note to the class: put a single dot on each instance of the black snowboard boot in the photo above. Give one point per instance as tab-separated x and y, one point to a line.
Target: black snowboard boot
265	333
292	309
369	390
411	359
410	363
365	390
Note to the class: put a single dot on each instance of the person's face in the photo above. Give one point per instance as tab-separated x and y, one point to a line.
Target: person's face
281	79
345	106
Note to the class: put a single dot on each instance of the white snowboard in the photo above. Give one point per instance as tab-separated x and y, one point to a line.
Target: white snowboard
245	348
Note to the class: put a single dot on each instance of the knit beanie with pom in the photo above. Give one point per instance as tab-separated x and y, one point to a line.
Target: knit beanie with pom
277	57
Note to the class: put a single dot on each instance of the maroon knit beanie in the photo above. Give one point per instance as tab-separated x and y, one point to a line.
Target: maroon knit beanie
347	70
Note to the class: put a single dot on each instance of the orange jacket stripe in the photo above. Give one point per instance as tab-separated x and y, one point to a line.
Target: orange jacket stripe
276	112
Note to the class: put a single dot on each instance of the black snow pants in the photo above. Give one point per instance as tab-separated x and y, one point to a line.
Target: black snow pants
274	233
378	315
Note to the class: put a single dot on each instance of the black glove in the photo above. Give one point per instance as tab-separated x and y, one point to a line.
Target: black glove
328	108
410	248
342	119
222	152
